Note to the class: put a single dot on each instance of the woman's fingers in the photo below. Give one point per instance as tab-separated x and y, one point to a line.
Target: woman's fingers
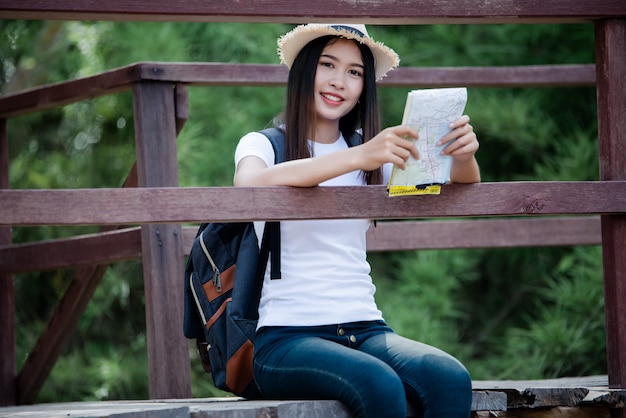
459	128
392	145
464	145
399	141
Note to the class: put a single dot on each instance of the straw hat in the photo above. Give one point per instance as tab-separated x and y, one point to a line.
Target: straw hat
290	44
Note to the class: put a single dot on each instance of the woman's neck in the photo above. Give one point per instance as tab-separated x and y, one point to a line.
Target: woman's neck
326	133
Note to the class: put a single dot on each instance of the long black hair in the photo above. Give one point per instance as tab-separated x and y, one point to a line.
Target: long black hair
300	114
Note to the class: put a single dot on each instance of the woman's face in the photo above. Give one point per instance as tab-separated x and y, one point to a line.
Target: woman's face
338	80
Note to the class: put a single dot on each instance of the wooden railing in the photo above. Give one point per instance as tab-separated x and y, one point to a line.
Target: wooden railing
529	213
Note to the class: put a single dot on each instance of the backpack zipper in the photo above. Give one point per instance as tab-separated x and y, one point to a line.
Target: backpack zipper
195	296
217	281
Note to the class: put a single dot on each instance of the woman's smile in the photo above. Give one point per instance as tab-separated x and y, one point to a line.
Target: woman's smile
331	98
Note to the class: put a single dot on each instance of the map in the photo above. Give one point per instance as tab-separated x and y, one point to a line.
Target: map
429	112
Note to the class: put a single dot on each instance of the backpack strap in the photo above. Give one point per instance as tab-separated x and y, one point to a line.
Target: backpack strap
270	243
277	139
354	139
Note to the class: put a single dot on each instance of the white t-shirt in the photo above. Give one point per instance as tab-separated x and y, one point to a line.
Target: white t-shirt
325	277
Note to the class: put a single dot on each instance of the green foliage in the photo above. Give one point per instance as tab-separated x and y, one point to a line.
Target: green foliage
430	286
562	334
506	313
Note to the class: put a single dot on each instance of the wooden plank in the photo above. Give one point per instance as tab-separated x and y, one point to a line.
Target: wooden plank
558	412
276	75
593	381
120	245
484	400
196	408
216	73
104	409
7	301
451	234
62	93
520	76
484	233
100	248
568	392
187	408
231	74
494	233
367	11
181	106
599	399
300	409
611	74
230	204
240	408
157	166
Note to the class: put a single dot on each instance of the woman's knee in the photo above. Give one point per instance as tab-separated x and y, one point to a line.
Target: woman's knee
380	394
453	374
445	388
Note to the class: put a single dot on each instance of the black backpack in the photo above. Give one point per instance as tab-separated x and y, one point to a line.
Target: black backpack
223	281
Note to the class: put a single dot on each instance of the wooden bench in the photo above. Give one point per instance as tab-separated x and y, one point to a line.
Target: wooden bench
152	84
587	397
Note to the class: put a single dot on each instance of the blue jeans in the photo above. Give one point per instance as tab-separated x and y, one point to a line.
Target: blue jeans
367	366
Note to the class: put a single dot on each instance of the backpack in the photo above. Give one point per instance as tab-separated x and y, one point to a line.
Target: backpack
223	280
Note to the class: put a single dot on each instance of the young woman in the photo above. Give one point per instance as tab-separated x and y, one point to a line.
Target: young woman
320	334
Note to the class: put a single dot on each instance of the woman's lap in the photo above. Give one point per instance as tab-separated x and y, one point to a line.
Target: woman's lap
365	365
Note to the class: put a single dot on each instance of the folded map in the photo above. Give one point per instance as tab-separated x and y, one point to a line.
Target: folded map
429	112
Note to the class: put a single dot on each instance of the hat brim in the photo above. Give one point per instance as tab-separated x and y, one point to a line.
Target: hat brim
290	45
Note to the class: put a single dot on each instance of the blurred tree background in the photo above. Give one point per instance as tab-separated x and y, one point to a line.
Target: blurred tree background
514	313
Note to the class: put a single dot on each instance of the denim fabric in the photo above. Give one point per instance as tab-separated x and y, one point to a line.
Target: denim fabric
367	366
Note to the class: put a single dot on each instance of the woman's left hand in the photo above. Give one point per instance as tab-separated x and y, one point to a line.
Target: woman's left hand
462	139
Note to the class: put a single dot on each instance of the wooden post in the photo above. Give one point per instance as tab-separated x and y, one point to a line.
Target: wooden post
611	92
162	249
7	301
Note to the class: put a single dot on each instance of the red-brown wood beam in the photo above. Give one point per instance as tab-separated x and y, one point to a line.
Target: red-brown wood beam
100	248
611	92
484	233
65	92
366	11
181	106
162	249
7	300
125	244
104	206
231	74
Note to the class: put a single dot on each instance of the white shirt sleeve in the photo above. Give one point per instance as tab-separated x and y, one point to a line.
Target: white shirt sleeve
255	144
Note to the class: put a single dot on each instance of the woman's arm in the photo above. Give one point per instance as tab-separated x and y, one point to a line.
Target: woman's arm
252	170
390	145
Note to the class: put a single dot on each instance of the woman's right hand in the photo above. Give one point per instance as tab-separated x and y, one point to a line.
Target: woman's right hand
392	145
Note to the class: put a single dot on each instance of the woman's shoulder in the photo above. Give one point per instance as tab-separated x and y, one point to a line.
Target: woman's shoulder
255	144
